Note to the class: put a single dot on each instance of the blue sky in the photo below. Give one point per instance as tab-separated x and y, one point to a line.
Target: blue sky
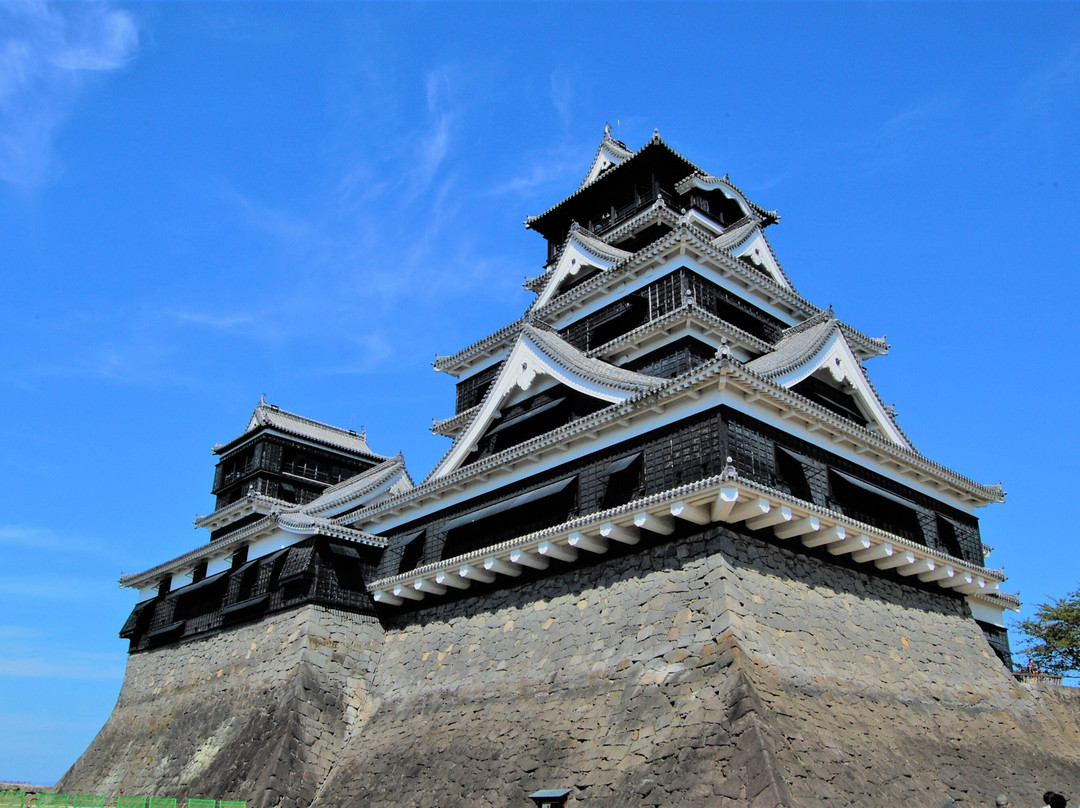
203	203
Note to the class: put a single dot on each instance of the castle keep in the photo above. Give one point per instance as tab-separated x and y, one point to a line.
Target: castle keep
679	552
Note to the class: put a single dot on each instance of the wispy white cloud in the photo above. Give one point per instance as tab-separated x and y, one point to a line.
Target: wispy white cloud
284	225
562	98
900	138
543	171
433	143
47	55
1052	89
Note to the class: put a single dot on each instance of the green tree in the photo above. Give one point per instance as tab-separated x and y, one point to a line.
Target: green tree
1055	635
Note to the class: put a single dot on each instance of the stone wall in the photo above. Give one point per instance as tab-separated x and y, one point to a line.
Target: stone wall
705	669
258	712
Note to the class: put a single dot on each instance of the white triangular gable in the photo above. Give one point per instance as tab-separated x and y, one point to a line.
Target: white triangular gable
581	254
756	248
611	153
520	373
836	356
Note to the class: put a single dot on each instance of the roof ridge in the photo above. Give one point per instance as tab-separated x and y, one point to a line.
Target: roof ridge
655	140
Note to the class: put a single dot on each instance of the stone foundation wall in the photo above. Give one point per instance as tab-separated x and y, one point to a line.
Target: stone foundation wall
258	712
713	669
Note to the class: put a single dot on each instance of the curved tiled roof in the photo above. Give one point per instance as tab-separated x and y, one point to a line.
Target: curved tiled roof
588	243
271	416
493	341
684	185
794	348
684	236
357	487
596	370
687	311
704	376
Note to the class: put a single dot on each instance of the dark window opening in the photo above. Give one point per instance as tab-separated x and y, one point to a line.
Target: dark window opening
718	205
663	296
471	391
346	562
792	475
642	238
617	319
298	494
235	467
535	416
673	359
313	467
752	454
874	509
199	572
625	481
948	538
412	552
729	308
838	401
200	599
525	513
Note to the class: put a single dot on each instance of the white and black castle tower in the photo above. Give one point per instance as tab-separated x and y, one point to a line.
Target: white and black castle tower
667	376
678	553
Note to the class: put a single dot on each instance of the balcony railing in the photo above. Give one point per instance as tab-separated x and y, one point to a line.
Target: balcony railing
620	215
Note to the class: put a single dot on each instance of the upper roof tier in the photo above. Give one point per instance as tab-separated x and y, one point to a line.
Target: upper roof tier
269	416
654	162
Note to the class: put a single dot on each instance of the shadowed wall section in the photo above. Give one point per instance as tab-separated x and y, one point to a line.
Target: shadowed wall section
716	669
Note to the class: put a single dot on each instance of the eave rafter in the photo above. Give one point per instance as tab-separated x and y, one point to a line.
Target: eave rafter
720	499
260	529
689	317
245	506
539	352
686	240
721	376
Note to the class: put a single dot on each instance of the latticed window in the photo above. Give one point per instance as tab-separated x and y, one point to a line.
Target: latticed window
752	454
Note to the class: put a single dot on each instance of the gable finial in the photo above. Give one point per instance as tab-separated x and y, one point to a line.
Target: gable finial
262	400
724	351
656	133
607	129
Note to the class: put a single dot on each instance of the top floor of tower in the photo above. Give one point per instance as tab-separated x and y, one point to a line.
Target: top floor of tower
622	186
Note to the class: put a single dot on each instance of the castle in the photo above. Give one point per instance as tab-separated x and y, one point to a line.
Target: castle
679	552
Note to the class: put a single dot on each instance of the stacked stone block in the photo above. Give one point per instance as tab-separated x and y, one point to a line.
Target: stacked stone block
716	670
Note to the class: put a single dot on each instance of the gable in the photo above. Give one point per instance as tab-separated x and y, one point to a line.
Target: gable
818	360
539	361
611	153
581	257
